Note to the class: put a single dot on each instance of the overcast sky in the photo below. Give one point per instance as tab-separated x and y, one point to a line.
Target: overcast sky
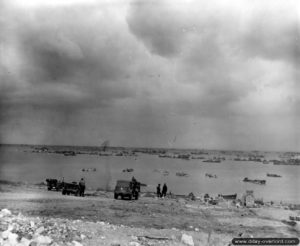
179	73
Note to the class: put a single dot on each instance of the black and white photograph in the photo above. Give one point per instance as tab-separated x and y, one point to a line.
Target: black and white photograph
149	122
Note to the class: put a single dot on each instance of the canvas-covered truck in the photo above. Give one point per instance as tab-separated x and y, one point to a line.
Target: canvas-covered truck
71	188
54	184
127	189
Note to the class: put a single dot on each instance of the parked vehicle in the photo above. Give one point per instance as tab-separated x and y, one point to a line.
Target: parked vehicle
71	188
54	184
127	189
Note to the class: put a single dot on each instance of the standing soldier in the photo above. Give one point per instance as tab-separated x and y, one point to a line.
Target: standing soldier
81	187
158	191
164	190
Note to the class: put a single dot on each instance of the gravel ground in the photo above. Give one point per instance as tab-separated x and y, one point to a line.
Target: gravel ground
41	217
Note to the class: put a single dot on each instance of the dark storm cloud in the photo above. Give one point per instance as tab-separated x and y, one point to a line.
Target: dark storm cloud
63	55
147	70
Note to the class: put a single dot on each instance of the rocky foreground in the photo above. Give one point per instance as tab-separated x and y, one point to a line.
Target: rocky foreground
34	216
20	230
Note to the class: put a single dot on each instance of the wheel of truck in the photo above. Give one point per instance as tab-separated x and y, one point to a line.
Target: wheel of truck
130	197
116	196
122	197
63	192
49	188
136	196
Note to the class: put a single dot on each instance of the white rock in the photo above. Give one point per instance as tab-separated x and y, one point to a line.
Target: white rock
5	212
43	240
75	243
134	244
196	229
40	230
25	242
5	234
82	236
12	238
187	239
134	238
32	223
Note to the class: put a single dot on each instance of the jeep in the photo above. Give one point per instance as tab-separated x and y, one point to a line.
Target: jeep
127	189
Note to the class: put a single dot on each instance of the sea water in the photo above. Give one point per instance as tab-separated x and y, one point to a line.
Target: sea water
21	164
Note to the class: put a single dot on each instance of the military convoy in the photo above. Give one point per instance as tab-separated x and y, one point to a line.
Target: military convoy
64	187
124	188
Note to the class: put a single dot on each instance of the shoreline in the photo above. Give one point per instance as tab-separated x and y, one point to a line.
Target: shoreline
90	192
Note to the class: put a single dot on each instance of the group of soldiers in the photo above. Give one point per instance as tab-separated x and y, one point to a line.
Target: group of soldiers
162	193
159	192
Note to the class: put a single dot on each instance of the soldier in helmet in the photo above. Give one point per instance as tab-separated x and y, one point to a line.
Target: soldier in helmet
164	190
81	187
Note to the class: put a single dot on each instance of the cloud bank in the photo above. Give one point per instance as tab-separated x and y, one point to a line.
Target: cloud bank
211	74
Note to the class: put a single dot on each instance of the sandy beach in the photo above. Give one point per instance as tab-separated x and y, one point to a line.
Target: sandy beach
99	219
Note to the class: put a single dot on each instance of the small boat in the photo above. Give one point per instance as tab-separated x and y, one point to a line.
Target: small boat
128	170
273	175
210	175
69	153
212	160
182	174
255	181
229	197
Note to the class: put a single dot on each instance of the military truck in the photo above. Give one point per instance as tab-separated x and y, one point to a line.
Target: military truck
54	184
127	189
71	188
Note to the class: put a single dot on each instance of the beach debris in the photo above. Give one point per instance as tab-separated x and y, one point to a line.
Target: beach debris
153	238
187	240
288	222
294	218
248	198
